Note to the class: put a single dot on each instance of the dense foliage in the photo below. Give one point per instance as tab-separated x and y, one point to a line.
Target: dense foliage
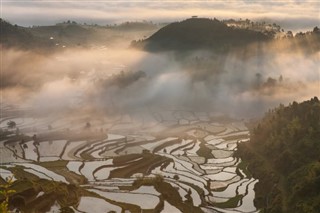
284	154
5	193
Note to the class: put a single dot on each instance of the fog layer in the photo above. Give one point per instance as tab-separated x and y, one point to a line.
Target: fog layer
243	83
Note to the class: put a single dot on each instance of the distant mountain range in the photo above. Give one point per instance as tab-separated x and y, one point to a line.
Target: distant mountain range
72	34
190	34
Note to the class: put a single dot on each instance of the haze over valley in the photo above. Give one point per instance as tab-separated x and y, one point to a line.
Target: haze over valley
106	67
169	114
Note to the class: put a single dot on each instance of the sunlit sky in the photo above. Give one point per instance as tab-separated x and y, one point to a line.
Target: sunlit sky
291	14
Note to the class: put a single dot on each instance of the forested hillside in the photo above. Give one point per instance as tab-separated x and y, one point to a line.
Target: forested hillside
197	33
70	34
14	35
284	154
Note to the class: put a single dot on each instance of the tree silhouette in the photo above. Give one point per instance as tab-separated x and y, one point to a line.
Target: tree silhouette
88	125
11	124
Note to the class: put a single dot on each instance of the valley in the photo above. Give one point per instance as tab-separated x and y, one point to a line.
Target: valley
119	163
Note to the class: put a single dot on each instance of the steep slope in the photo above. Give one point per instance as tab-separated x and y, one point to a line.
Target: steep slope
283	154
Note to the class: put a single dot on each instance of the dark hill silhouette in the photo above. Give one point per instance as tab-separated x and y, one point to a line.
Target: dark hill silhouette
68	34
44	37
71	34
199	33
11	34
62	30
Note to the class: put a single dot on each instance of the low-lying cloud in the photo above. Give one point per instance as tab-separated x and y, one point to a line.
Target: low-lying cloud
241	83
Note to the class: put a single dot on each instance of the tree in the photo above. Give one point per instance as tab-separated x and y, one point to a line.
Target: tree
17	131
316	30
5	191
280	78
66	210
189	191
88	125
271	82
49	127
258	79
11	124
289	34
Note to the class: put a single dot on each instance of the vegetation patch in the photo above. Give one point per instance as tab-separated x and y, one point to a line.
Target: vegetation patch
231	203
283	153
145	165
204	151
244	168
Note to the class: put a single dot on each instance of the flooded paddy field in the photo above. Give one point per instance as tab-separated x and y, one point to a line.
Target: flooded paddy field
173	161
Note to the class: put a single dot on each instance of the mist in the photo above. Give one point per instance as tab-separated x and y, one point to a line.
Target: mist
113	81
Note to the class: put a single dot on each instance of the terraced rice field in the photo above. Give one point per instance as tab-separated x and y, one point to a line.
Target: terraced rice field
191	151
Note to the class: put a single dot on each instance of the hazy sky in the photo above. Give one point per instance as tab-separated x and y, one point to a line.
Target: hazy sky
291	14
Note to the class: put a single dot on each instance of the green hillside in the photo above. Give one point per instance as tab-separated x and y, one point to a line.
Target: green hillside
284	154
